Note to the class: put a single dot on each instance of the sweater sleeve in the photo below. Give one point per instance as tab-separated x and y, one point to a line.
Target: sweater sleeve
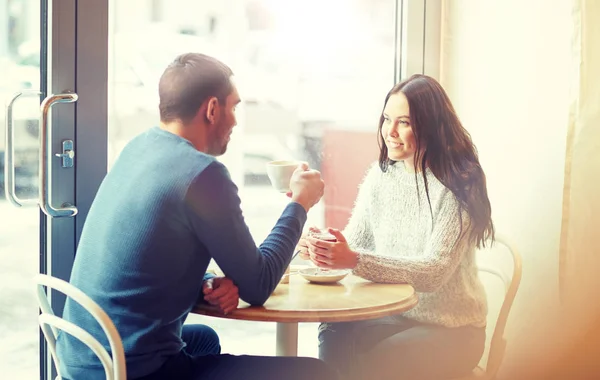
213	209
358	231
428	272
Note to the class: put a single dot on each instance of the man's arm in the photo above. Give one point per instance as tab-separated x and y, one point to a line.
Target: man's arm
213	208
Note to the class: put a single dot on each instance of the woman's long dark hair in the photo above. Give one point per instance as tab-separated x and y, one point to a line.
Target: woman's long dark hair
446	148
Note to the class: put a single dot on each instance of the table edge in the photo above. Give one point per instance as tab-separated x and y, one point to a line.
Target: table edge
259	314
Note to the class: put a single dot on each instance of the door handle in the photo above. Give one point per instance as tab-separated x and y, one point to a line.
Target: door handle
65	210
9	152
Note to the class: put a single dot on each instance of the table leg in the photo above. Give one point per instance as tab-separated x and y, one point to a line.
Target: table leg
287	339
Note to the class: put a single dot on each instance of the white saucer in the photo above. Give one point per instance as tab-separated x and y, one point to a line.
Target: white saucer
323	276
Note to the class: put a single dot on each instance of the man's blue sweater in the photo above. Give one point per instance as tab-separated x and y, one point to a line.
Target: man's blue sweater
162	212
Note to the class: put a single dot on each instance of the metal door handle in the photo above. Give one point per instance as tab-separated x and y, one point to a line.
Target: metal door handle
46	155
9	153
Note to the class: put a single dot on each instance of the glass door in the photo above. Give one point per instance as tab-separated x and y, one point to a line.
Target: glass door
20	223
39	214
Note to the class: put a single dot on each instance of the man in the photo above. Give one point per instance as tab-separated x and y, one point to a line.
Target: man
163	211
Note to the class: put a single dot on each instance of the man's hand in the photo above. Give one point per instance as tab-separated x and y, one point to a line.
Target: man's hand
221	292
306	186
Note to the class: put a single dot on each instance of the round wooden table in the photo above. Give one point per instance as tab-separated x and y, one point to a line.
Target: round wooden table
351	299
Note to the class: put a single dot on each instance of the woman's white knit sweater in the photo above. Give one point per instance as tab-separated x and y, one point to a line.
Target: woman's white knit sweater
391	228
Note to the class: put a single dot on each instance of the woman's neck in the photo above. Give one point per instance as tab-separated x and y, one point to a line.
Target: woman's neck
410	167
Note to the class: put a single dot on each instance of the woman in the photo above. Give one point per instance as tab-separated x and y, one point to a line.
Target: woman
419	215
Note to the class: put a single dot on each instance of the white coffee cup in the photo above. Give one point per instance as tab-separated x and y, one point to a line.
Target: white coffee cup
280	173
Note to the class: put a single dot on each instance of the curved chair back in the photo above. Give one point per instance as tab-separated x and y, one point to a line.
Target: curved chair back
114	366
495	263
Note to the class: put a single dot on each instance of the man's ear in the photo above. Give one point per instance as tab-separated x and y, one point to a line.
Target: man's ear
212	110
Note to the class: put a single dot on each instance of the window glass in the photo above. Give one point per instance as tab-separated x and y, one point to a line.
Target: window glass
312	76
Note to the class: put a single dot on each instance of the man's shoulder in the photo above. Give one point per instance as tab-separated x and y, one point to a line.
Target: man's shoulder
211	174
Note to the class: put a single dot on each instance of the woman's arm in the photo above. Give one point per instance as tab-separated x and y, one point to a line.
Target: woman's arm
429	272
358	230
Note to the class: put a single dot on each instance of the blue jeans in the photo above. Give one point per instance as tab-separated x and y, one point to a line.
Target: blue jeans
398	348
201	358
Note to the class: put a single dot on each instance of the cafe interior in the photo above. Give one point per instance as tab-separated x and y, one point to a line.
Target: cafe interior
79	80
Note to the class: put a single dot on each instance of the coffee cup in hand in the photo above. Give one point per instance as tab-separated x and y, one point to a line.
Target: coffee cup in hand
280	173
326	236
323	235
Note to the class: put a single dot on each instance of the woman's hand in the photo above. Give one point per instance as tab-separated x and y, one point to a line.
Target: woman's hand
303	243
332	255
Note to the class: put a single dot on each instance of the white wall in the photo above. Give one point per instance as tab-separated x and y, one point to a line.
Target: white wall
506	67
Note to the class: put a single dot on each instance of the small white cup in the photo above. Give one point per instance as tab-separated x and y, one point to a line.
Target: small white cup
280	174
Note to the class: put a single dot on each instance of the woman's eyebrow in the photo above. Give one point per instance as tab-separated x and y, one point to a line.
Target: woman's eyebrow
399	117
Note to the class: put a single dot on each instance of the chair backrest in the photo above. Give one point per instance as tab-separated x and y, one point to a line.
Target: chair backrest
503	265
50	324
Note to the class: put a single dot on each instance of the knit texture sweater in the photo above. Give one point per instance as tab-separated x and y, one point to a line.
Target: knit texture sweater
401	240
161	214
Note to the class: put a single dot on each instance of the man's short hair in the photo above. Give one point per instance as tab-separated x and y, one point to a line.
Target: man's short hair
188	81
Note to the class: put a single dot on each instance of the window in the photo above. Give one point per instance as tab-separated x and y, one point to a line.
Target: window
312	76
